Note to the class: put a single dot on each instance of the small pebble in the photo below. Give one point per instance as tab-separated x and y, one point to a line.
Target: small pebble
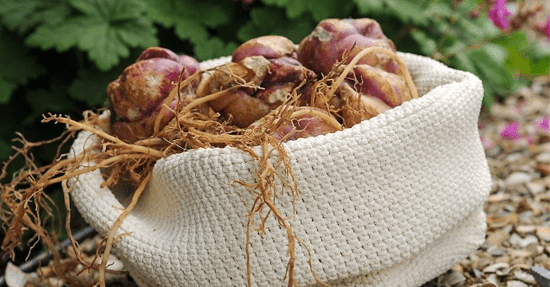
544	169
15	277
477	273
524	276
55	282
514	157
515	239
536	187
493	278
515	283
526	216
543	157
453	278
505	112
518	178
498	197
535	249
496	238
537	88
519	253
497	266
528	240
495	251
543	232
524	229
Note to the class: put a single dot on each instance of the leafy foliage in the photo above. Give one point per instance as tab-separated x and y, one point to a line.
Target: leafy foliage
22	16
16	66
106	29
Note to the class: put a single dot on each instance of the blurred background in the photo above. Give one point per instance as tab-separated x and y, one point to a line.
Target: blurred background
59	55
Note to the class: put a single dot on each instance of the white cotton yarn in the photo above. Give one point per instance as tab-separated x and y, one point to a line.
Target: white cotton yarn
393	201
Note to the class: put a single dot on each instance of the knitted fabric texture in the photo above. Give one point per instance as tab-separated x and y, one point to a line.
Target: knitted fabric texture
393	201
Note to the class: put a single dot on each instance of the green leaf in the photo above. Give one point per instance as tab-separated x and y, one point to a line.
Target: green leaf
6	90
90	86
438	10
427	44
469	30
212	13
524	59
17	67
496	52
488	96
454	48
488	26
540	67
263	21
278	3
213	48
5	150
273	21
323	9
296	9
109	9
518	40
464	63
516	62
190	29
465	6
494	74
44	101
367	7
22	16
206	13
106	31
60	37
295	30
103	45
161	12
408	11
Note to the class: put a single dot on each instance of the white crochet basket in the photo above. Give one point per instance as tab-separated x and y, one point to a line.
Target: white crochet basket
393	201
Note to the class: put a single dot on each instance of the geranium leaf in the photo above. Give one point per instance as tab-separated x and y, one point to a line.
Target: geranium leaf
369	6
90	86
190	29
295	9
408	11
6	90
17	67
213	48
106	30
22	16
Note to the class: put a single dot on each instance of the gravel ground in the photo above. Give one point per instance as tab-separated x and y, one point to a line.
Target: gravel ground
516	137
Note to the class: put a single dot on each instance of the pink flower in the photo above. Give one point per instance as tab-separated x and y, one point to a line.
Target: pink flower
547	29
499	14
544	124
511	132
